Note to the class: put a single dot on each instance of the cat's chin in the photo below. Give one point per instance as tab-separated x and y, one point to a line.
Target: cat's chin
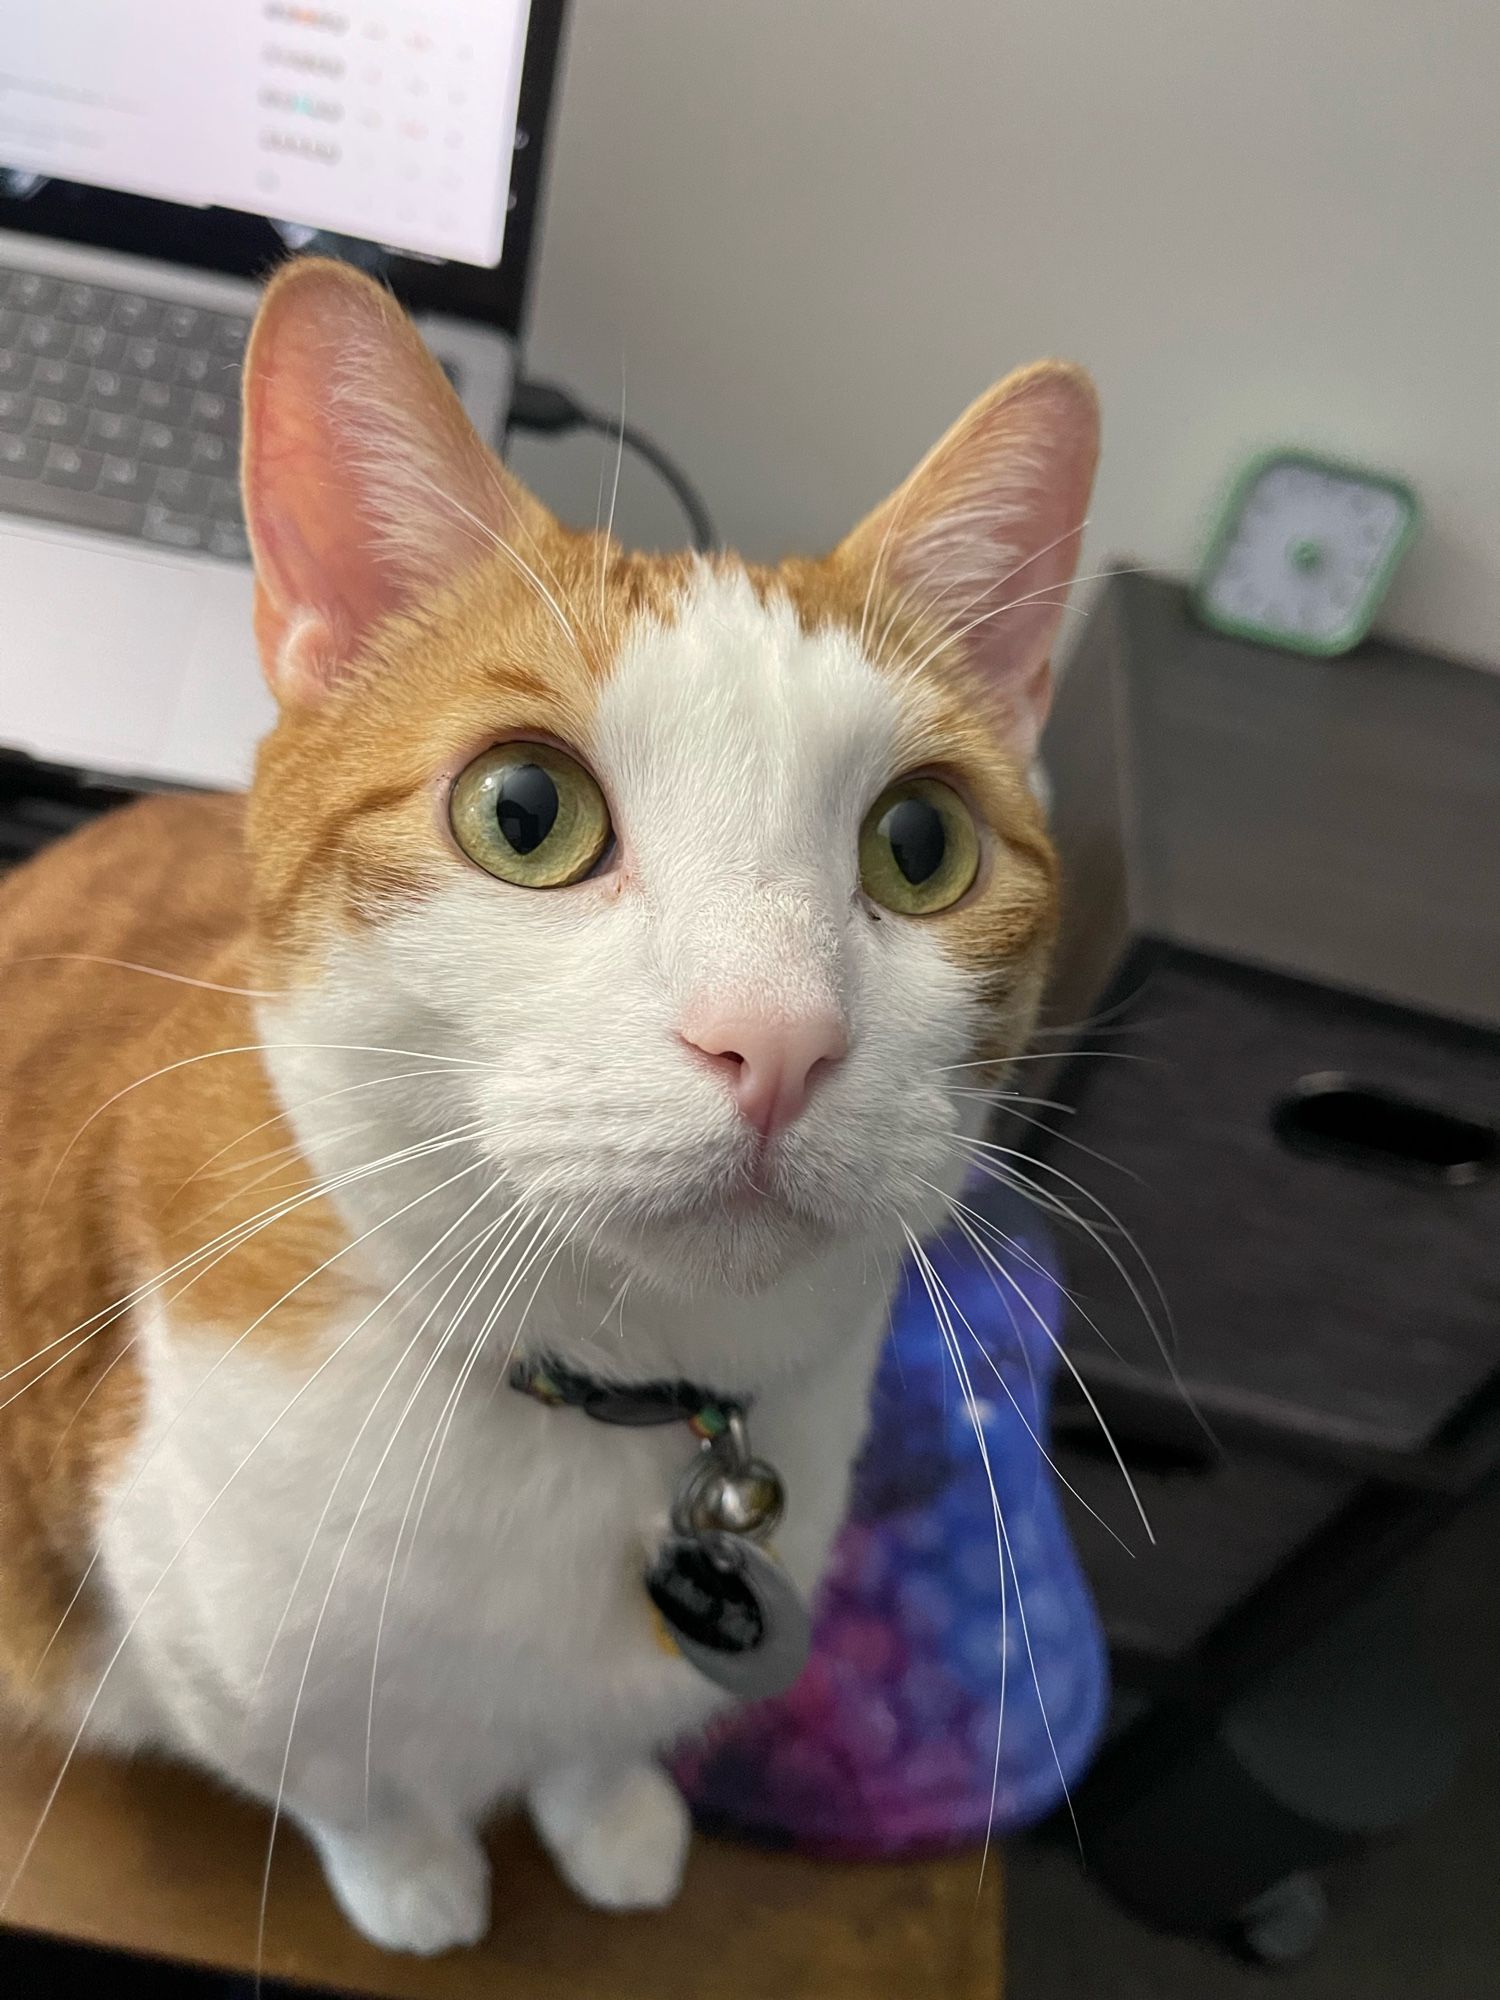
743	1247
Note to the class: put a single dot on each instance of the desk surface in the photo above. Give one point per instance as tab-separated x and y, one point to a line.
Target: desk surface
149	1859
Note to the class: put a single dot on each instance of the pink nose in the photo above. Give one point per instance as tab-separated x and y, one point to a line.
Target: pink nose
770	1062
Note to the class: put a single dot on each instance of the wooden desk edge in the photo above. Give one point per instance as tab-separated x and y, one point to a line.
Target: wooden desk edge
150	1859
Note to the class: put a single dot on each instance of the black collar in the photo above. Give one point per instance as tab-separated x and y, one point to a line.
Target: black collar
627	1403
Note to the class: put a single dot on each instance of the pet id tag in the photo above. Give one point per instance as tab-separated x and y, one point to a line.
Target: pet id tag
730	1608
732	1611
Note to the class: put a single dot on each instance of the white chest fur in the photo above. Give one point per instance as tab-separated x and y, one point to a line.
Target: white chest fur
297	1529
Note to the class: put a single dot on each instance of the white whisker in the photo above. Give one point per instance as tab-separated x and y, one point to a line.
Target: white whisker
533	1250
337	1566
987	1157
494	539
1003	1099
1063	1138
877	569
540	554
153	971
994	1368
953	638
478	1202
237	1233
614	493
293	1112
968	1220
287	1161
264	1220
242	1049
1007	1556
932	608
1032	1193
599	1227
490	1261
928	1276
1045	1055
198	1389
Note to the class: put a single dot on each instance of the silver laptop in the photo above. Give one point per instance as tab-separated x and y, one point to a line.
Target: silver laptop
156	159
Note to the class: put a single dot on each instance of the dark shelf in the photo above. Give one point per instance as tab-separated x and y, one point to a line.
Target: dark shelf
1354	1306
1281	907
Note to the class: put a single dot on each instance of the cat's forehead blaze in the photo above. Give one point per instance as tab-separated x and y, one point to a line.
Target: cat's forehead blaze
347	806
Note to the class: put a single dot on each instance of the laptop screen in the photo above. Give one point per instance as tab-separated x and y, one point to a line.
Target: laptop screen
373	119
405	135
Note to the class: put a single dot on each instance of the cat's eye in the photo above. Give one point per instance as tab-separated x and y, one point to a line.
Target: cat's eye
531	815
918	847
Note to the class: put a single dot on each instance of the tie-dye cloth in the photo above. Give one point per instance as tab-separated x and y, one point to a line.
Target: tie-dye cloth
887	1742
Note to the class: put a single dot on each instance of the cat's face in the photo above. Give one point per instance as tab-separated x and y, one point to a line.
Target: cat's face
620	832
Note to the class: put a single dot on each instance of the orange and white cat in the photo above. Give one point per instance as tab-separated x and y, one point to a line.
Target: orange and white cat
595	971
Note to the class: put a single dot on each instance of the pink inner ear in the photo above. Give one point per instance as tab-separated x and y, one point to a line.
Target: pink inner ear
365	484
319	574
988	533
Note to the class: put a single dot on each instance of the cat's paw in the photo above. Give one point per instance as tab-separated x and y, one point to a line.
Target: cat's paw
409	1886
621	1842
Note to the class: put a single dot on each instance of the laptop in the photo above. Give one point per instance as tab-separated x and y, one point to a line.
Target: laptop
156	159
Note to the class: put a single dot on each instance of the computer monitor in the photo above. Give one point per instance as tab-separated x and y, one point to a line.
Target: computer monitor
404	134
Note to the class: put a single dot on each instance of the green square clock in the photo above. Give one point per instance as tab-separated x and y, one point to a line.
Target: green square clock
1304	552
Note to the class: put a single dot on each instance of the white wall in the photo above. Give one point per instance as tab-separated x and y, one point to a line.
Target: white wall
813	229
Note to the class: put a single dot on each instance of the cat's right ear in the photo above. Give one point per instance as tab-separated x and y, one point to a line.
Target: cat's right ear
365	484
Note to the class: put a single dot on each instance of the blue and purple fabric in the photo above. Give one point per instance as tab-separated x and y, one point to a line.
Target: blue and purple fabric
887	1743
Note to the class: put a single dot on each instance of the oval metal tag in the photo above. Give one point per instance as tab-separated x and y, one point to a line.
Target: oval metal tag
733	1611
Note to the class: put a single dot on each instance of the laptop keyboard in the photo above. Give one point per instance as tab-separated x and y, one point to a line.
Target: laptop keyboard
120	412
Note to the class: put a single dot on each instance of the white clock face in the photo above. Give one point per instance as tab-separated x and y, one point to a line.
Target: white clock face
1309	550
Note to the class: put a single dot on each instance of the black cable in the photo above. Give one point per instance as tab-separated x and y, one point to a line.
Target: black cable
547	410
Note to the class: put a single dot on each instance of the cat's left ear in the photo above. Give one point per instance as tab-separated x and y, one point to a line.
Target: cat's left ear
983	538
365	484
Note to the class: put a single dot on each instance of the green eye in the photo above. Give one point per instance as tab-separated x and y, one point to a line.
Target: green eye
918	847
530	814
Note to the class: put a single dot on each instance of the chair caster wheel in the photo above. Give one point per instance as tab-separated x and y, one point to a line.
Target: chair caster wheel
1283	1925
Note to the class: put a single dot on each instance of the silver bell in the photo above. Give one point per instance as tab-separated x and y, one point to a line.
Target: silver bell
747	1501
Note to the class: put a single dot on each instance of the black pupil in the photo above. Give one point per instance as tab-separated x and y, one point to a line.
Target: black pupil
915	832
526	806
